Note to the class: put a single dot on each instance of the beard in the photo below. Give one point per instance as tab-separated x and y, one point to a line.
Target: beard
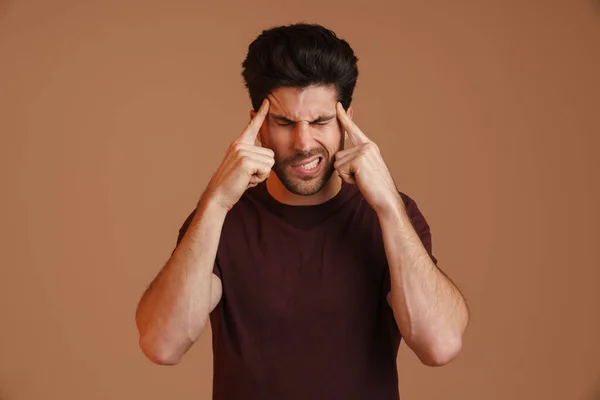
307	186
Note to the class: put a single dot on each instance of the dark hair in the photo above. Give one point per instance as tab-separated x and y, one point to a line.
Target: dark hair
299	55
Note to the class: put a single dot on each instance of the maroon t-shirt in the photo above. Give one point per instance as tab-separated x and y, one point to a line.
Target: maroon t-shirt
304	313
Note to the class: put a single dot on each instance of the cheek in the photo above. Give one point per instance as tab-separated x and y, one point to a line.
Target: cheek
280	137
331	139
274	140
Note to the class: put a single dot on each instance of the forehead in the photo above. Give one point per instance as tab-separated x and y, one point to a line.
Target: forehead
303	103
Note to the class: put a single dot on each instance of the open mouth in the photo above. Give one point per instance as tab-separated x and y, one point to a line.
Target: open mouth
311	164
310	167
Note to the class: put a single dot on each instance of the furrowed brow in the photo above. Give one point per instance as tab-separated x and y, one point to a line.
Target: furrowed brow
281	118
323	118
320	119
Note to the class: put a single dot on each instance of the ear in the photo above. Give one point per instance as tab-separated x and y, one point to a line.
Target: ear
350	112
252	114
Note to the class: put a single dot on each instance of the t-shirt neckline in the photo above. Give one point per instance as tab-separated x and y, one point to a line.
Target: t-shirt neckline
276	205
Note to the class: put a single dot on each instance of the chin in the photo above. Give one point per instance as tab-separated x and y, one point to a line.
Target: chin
305	187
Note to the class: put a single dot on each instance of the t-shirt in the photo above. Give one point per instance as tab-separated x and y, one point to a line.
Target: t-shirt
304	313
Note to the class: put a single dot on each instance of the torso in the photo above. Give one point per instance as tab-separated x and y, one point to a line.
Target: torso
303	312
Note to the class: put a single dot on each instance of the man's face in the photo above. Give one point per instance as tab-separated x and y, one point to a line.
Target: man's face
304	133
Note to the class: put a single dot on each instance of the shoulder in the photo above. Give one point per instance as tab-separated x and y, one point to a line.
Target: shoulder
418	222
240	208
417	218
410	205
185	225
407	200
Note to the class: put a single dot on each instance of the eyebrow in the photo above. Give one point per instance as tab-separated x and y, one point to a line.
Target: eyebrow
321	118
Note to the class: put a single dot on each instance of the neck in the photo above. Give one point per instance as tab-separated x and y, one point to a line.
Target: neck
280	193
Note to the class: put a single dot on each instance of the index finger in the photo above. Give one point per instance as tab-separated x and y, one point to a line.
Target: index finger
354	132
249	134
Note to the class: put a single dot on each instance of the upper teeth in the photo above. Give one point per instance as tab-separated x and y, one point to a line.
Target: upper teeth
310	165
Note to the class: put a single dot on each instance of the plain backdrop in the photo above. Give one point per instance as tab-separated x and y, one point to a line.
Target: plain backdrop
115	114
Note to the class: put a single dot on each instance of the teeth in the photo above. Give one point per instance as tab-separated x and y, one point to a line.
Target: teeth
311	165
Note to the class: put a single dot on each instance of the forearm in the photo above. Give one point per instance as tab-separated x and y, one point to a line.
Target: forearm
174	310
428	308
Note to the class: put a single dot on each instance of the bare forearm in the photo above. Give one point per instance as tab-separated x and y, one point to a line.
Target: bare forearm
429	309
174	310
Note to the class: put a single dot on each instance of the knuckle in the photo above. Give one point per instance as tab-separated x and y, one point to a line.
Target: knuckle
369	147
266	151
235	146
245	162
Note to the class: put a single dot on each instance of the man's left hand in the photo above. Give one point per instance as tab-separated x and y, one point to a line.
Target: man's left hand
363	165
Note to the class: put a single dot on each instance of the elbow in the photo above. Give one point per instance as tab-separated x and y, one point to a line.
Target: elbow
158	353
441	353
165	345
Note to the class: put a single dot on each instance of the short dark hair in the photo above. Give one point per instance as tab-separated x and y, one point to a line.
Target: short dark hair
299	55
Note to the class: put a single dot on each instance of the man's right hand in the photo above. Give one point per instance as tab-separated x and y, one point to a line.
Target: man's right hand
245	165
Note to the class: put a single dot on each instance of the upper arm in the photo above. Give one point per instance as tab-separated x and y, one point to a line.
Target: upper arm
422	229
216	291
420	225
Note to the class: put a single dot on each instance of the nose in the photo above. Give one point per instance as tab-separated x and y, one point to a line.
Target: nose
302	137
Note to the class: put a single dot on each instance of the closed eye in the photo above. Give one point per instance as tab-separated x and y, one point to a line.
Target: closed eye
312	123
283	121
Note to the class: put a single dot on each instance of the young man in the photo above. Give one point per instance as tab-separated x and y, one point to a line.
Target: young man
310	275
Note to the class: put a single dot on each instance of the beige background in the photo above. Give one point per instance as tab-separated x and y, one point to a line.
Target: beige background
114	115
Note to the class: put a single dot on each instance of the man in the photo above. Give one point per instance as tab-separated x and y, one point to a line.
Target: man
310	275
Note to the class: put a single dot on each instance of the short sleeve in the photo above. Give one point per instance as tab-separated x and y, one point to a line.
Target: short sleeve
420	225
183	230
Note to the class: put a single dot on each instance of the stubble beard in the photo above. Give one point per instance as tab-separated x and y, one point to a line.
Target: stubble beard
307	186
